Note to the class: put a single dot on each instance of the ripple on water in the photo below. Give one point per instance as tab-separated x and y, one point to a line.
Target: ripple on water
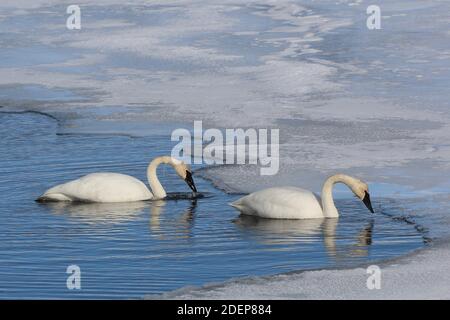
131	249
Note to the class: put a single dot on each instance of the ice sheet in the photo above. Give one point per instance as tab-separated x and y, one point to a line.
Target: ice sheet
419	276
369	103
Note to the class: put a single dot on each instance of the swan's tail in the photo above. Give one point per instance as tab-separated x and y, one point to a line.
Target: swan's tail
236	204
52	197
232	204
43	199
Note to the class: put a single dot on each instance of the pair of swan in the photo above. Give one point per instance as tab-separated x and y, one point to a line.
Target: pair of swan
275	203
110	187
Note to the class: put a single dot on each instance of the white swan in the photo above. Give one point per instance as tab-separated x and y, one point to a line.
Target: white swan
116	187
296	203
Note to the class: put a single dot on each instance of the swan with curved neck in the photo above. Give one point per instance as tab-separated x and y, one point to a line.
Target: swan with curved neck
296	203
116	187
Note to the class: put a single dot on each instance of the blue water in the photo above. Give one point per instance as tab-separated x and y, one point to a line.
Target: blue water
130	250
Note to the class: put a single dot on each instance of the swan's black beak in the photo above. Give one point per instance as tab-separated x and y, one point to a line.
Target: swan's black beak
367	202
190	181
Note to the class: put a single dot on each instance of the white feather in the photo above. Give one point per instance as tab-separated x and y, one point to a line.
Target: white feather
114	187
297	203
280	203
100	187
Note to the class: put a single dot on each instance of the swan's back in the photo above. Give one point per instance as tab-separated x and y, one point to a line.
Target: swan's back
100	187
281	203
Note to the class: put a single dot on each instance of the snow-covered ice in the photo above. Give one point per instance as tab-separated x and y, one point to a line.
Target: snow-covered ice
418	276
373	103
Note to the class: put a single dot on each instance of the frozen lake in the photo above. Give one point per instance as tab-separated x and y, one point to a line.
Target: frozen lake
129	250
370	103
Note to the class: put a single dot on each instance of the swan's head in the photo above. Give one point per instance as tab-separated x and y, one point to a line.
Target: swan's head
185	173
361	190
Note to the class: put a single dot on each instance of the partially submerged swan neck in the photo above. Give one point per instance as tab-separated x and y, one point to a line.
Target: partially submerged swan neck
157	189
328	207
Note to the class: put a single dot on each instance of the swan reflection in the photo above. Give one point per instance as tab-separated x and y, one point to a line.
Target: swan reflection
287	229
304	231
99	213
167	226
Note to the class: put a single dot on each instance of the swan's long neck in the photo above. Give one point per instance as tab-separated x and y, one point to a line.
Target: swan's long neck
328	207
157	189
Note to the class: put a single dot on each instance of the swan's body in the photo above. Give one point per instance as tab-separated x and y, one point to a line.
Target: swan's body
100	187
116	187
296	203
280	203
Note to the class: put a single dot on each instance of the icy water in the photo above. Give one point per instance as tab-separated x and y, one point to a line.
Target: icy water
133	249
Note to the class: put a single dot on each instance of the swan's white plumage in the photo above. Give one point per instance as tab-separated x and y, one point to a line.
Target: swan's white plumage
100	187
116	187
296	203
281	203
